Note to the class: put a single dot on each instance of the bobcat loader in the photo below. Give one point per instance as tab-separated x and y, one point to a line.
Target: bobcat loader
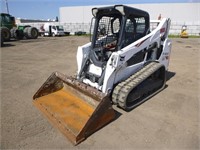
124	65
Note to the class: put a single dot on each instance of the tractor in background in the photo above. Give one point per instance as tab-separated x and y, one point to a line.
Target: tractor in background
9	29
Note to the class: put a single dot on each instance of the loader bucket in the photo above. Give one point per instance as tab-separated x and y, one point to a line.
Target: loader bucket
76	109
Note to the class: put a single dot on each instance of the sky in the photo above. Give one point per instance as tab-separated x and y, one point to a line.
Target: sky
49	9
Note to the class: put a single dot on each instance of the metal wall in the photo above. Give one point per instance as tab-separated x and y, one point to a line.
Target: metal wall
180	14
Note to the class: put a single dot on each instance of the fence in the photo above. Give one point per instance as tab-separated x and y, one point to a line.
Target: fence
193	28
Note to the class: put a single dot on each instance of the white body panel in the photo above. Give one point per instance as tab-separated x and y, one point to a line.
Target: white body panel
117	68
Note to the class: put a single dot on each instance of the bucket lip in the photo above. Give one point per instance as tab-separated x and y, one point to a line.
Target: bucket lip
60	78
84	88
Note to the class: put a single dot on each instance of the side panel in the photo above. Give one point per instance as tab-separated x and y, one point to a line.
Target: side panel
165	56
82	55
125	72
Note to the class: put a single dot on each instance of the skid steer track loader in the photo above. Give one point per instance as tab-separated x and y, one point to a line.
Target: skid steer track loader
124	64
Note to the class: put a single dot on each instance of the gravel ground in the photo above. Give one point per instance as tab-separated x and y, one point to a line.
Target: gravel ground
169	120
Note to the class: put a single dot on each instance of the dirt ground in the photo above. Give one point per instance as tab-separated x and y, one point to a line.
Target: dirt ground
169	120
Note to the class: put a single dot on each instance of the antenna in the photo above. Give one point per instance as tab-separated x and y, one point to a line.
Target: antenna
7	6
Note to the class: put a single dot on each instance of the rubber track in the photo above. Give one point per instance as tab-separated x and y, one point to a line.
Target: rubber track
122	90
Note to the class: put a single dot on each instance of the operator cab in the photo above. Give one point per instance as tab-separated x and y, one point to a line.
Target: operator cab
116	27
7	20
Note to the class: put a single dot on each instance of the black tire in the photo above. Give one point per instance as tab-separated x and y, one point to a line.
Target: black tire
2	40
20	34
33	33
5	34
1	43
1	37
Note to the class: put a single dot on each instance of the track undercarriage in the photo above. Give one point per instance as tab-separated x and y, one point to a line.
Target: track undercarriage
139	87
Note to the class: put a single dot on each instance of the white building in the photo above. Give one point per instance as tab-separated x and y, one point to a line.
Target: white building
78	18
